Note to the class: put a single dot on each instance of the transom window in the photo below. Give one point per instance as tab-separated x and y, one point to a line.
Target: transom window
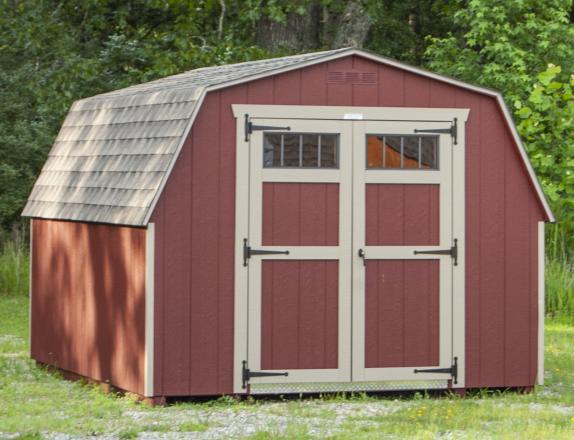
402	152
300	150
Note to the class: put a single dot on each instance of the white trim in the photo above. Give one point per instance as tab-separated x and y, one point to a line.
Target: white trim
541	298
149	310
30	259
459	271
241	304
321	112
250	175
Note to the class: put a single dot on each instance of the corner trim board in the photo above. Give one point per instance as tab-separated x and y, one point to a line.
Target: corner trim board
30	259
149	310
541	298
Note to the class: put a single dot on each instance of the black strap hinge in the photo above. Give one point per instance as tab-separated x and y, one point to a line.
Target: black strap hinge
250	127
452	370
452	130
453	252
248	252
247	374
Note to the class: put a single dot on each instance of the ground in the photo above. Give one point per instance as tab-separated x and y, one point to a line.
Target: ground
37	404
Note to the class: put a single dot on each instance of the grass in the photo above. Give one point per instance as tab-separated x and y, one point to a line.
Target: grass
560	289
35	404
14	266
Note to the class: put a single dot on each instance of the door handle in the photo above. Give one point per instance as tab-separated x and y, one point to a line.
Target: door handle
363	256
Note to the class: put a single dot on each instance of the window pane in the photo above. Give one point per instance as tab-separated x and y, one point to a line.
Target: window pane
402	152
329	150
272	150
411	151
429	154
310	150
291	150
374	151
392	152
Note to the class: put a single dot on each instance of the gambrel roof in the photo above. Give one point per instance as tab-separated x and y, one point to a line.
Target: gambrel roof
114	152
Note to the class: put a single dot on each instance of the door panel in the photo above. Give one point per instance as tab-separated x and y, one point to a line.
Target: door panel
401	313
300	214
299	309
402	214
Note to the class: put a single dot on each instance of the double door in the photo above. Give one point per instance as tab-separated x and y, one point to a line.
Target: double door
349	256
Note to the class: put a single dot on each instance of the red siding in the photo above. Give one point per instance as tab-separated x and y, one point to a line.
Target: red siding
299	314
88	300
195	230
300	214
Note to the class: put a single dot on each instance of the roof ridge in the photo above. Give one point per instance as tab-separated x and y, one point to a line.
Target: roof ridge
137	88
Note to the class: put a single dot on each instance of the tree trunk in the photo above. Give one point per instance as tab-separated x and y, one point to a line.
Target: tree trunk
296	34
353	26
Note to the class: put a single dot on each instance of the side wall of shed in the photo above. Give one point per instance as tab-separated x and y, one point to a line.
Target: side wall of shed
195	230
88	300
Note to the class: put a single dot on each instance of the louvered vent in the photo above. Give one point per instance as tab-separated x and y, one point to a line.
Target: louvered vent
351	77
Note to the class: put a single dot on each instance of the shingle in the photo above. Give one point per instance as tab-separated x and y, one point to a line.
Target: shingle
115	150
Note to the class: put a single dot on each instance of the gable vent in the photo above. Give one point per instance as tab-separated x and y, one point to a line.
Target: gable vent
351	77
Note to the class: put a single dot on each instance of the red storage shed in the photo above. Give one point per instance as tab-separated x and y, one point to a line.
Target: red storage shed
332	221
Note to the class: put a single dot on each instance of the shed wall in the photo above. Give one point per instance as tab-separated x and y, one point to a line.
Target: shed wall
88	300
195	230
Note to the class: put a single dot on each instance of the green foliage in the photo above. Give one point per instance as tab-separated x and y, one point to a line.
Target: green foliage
504	44
524	48
546	124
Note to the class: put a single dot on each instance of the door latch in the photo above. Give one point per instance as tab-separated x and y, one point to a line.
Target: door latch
453	252
247	374
248	252
363	256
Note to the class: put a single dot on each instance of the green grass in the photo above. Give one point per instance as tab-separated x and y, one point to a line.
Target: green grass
13	268
560	290
35	403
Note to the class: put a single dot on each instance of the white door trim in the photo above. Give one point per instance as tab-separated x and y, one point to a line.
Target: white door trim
343	113
242	200
541	298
